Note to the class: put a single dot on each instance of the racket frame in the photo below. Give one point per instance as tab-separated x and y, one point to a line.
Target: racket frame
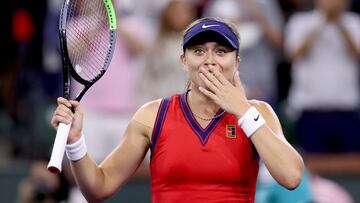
68	68
55	162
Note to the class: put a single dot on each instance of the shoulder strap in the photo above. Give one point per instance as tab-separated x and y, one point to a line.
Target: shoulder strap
160	118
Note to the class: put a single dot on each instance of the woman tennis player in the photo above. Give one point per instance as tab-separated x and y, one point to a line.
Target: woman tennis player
205	143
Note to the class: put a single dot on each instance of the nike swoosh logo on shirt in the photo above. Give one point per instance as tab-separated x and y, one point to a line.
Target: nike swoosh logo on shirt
257	118
207	26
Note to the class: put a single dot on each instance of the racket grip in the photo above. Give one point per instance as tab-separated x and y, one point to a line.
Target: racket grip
54	165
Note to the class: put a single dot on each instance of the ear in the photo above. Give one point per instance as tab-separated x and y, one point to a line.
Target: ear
183	61
238	60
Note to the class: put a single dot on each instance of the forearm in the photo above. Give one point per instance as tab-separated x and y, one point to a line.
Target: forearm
350	45
98	182
304	48
90	179
283	162
273	35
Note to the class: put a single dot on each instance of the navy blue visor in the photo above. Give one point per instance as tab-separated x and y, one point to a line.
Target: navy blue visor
219	28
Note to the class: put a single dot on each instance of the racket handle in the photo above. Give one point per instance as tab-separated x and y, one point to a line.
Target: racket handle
54	165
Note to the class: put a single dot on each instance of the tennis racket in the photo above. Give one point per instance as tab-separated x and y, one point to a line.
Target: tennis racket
87	32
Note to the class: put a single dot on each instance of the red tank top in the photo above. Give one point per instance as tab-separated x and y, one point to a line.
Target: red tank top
193	164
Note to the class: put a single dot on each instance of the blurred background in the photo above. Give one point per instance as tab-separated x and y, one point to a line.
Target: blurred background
301	56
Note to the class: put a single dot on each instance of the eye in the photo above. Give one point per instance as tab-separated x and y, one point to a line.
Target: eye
221	52
199	51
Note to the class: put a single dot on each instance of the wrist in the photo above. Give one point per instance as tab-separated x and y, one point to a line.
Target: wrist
74	138
76	150
244	108
251	121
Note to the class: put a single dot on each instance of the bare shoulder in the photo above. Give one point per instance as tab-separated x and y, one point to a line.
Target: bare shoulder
152	106
262	107
145	117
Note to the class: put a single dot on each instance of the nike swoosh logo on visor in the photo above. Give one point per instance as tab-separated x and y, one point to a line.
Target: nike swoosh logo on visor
207	26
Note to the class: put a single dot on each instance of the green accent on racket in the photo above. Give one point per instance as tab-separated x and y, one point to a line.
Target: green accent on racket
111	12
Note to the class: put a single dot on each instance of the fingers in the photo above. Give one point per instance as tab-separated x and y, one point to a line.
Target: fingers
77	109
215	77
209	79
214	80
220	77
75	105
208	93
208	83
61	100
63	113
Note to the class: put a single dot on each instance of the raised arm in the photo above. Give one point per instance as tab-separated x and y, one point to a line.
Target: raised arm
98	182
272	33
283	162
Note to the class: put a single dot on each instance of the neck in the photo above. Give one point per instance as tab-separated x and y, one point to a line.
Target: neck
201	104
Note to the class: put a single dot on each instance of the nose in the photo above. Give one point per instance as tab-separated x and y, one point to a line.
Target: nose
209	60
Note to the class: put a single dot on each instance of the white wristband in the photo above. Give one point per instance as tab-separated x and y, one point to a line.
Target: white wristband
251	121
77	150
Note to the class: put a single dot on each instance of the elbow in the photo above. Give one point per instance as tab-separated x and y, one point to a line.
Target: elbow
291	183
293	178
96	199
96	195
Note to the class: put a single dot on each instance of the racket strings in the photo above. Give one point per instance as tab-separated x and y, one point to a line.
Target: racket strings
88	37
90	49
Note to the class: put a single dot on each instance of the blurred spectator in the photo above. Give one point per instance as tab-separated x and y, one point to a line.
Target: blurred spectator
288	7
328	191
163	77
19	79
8	65
51	51
40	186
143	8
260	25
8	74
324	47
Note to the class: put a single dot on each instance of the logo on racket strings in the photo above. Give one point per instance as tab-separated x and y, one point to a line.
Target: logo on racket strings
78	68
